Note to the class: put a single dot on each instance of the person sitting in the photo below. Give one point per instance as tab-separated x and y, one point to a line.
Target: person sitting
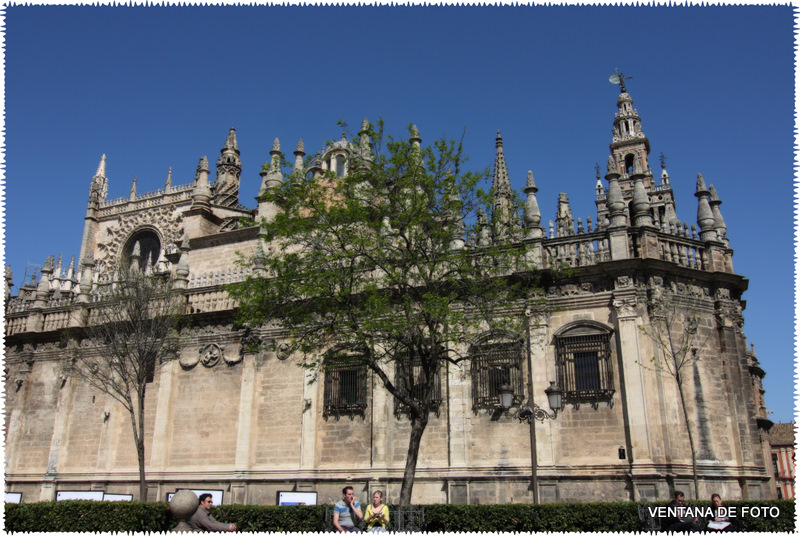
678	521
377	516
346	511
720	521
203	521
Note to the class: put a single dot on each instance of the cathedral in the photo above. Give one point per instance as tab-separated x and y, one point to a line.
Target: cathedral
598	425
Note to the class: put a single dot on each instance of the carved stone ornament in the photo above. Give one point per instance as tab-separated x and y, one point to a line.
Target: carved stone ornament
188	360
283	351
624	281
164	218
729	314
626	307
210	354
722	294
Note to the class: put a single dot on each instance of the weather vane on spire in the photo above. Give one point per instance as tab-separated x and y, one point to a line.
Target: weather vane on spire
619	78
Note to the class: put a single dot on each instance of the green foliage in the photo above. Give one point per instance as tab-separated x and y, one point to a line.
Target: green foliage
563	517
375	262
85	516
258	518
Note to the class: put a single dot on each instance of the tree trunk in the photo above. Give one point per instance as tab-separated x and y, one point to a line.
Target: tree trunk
138	438
691	439
418	425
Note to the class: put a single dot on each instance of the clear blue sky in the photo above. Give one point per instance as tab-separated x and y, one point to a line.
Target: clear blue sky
160	86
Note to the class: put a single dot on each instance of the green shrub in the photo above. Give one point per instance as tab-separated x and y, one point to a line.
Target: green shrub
85	516
272	517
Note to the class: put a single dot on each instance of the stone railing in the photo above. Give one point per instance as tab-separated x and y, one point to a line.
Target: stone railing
210	299
150	199
218	277
576	250
204	292
55	320
681	251
55	315
16	325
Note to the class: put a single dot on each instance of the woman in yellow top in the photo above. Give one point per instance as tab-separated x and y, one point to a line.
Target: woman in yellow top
377	515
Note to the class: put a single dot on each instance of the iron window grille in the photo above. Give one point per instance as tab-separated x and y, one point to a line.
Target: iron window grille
417	386
493	365
584	366
345	390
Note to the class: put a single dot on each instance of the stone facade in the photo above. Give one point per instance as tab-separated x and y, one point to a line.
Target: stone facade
251	424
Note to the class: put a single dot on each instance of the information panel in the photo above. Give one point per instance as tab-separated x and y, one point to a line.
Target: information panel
96	495
216	495
117	497
297	498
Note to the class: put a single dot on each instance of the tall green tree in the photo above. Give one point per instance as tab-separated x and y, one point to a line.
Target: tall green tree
394	262
127	336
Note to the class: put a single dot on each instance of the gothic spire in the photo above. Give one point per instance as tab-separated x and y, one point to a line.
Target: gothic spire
168	184
99	186
133	189
229	170
101	168
503	199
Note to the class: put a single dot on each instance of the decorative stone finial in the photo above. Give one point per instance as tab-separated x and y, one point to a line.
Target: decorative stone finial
276	145
202	166
529	183
701	185
611	165
300	146
230	142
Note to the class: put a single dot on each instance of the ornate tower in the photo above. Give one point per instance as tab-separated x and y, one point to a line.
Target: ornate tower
229	170
629	145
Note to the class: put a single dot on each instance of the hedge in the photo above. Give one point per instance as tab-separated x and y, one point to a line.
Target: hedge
83	516
87	515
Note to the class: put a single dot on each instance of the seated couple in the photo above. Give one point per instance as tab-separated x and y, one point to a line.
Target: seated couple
347	512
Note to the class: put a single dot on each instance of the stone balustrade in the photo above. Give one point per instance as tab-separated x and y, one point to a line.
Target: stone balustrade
204	292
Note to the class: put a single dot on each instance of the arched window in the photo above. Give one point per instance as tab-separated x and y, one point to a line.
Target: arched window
583	360
496	362
629	163
340	165
148	251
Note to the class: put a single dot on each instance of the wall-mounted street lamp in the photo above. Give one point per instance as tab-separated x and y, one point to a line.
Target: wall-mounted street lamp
531	410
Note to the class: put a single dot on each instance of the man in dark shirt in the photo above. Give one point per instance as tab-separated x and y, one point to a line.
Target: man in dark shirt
679	522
